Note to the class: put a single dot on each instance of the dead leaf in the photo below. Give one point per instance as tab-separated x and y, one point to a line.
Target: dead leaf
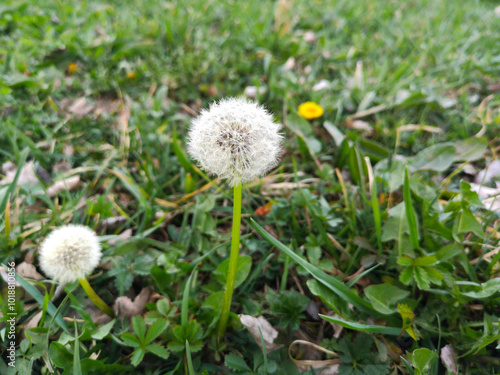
488	174
309	36
252	91
264	210
122	236
358	125
289	64
269	334
5	277
68	184
449	358
321	85
124	306
490	197
80	107
33	322
27	176
28	271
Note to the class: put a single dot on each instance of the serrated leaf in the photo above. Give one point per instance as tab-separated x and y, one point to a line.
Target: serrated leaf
405	261
137	356
130	339
139	327
159	350
425	260
421	277
406	276
236	363
155	330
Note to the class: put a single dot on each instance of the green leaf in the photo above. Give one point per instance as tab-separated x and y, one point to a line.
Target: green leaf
410	212
470	149
242	271
406	276
60	355
484	290
214	301
236	362
329	281
130	339
51	309
421	277
436	158
363	327
422	358
139	327
449	252
466	222
137	356
155	330
425	260
405	261
103	331
159	350
384	297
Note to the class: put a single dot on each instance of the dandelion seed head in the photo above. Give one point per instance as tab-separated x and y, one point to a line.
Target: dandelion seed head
69	253
235	140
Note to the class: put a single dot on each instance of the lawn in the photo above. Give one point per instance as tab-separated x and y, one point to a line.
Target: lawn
370	247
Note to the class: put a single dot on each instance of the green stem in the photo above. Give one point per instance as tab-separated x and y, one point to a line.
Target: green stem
96	299
233	260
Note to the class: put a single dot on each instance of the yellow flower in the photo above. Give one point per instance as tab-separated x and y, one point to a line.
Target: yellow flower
72	68
131	75
310	110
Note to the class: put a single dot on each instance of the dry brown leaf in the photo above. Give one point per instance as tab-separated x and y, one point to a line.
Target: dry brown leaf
358	125
27	176
33	322
122	236
449	358
80	107
124	306
268	332
28	271
5	276
69	184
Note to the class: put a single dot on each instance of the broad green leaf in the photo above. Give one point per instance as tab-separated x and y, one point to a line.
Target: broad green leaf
422	358
130	339
405	261
103	331
484	290
436	158
329	281
470	149
384	297
391	170
466	222
363	327
214	301
60	355
242	271
449	251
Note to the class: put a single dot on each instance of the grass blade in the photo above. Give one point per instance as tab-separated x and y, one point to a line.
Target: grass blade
330	282
363	327
410	212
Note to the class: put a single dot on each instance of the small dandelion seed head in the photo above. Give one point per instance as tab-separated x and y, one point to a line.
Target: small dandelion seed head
235	140
69	253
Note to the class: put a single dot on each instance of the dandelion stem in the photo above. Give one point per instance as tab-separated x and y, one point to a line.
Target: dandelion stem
96	299
233	260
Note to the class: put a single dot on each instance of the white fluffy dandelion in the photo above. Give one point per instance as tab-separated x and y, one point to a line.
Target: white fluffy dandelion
235	140
69	253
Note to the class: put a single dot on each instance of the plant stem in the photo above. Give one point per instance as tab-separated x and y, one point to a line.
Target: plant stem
233	260
96	299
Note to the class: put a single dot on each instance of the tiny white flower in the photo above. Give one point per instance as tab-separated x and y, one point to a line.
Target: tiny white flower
69	253
252	91
235	139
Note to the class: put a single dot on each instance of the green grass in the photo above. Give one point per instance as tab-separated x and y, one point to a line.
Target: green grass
145	68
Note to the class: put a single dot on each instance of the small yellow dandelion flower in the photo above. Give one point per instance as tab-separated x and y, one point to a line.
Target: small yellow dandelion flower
131	75
72	68
310	110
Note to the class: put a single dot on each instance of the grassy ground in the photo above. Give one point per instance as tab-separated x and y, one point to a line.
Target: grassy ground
104	92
